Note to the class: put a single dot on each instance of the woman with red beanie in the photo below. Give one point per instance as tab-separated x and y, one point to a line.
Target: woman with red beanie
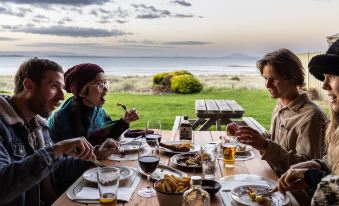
82	114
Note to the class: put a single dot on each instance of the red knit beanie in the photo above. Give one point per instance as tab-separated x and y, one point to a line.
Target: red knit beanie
79	75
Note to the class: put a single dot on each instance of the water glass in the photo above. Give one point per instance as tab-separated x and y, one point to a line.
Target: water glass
157	132
108	182
208	157
229	148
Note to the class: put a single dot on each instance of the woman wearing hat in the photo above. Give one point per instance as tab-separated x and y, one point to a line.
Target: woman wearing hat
82	114
309	174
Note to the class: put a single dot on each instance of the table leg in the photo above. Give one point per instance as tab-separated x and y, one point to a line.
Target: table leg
207	124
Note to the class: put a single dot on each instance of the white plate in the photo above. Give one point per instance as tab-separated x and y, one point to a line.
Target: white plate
132	146
244	180
174	160
194	148
91	174
247	149
240	195
161	170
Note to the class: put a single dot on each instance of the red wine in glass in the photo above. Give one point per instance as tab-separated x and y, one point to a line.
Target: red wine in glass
149	164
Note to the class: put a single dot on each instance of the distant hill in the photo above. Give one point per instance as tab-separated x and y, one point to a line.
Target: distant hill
240	56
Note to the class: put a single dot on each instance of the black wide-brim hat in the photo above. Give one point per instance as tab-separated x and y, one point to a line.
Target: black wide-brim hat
327	63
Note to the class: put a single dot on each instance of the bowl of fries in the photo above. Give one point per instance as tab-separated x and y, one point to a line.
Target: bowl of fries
170	189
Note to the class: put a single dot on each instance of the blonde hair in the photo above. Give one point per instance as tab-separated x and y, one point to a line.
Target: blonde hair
332	137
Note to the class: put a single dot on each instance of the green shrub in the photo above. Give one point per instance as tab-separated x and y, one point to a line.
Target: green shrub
186	84
158	78
235	78
180	72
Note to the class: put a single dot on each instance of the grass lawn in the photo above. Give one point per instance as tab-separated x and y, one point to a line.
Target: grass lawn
165	107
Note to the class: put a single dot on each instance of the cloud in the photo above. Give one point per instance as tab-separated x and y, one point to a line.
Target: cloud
64	2
92	46
121	21
150	12
184	15
21	13
106	16
187	43
7	39
66	31
182	3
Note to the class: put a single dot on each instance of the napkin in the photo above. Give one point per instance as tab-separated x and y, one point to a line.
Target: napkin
124	193
229	185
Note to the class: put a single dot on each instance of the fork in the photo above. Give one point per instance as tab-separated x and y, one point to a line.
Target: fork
135	139
123	106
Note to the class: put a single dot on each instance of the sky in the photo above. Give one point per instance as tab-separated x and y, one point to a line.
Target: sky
209	28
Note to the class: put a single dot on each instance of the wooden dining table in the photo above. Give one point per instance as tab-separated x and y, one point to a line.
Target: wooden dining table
254	166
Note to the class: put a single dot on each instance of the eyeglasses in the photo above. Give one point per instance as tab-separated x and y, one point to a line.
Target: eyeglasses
101	86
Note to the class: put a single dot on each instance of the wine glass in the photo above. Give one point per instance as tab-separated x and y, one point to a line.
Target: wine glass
148	163
157	132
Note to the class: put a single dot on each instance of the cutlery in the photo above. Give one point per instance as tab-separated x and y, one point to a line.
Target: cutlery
95	161
135	139
123	106
98	163
268	191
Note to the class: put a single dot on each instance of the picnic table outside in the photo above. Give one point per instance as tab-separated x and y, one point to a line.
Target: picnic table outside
254	166
215	111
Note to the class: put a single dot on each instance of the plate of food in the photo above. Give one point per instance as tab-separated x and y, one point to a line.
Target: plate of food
236	186
243	148
178	147
189	160
131	133
132	146
161	170
258	195
91	174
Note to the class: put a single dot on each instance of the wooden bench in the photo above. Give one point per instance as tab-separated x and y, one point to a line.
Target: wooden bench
244	121
215	111
251	122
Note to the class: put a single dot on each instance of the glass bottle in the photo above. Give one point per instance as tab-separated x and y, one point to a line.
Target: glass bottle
196	196
185	130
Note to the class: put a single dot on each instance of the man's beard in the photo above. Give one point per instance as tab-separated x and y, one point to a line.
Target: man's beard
36	104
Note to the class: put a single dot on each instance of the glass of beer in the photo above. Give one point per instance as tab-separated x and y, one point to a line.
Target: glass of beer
228	148
108	182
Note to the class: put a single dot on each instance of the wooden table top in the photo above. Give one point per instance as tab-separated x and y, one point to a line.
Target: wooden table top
206	108
254	166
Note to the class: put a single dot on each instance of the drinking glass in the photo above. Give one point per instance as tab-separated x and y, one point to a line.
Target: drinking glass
208	157
229	148
108	182
148	163
156	127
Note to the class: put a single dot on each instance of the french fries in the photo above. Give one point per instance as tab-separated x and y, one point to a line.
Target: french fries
173	184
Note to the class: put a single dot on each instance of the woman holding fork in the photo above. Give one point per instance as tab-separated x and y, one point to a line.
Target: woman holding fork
82	114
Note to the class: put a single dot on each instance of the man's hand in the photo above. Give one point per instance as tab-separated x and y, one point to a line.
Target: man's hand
107	148
131	116
249	136
231	129
76	147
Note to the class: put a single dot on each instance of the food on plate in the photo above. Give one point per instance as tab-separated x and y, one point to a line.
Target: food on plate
241	148
255	196
182	147
192	160
173	184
